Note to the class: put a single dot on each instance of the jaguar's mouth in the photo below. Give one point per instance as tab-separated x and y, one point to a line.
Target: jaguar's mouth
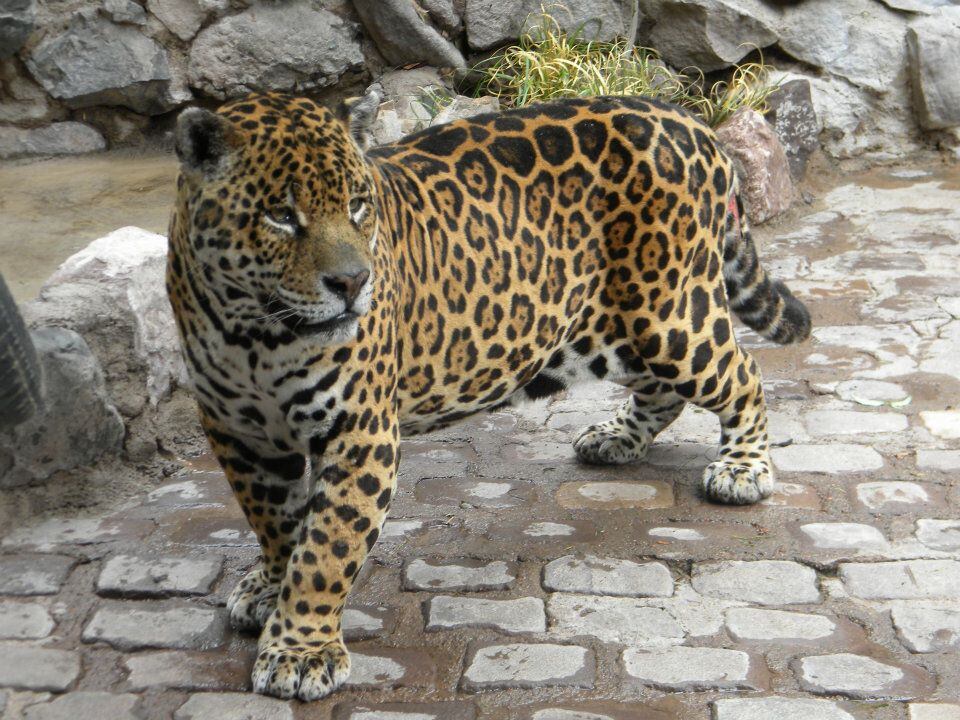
304	326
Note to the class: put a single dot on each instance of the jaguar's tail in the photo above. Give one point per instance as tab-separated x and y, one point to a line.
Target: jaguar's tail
764	305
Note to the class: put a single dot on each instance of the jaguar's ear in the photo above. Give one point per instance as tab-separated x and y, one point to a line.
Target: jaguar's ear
202	140
358	114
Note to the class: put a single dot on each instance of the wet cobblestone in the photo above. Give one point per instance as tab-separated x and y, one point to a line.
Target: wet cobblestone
512	583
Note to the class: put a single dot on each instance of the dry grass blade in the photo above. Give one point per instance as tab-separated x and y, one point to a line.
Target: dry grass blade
549	62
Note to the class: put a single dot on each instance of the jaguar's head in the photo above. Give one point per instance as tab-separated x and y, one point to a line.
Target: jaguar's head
281	212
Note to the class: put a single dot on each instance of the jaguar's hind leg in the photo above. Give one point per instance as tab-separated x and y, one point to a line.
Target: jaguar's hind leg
627	436
742	474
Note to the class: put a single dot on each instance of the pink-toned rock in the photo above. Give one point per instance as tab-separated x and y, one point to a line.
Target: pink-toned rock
762	164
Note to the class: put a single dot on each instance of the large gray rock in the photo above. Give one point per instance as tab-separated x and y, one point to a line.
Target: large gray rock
920	7
496	22
790	112
934	55
858	121
445	14
63	138
289	46
407	102
465	107
764	171
181	17
709	34
859	40
97	62
78	424
17	18
125	11
112	292
402	36
21	99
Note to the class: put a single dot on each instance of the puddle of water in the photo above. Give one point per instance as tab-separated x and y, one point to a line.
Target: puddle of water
53	208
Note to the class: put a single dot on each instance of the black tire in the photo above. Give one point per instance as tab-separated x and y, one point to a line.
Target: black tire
21	387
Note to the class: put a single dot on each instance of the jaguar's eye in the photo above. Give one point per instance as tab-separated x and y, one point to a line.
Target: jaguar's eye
282	216
356	205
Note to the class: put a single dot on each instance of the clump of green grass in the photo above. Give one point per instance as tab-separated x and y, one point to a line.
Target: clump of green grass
749	87
434	100
548	63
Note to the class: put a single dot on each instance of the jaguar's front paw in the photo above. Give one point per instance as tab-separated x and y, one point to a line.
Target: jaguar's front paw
253	600
610	443
307	671
731	483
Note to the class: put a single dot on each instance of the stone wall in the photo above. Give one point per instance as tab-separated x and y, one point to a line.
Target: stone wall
78	75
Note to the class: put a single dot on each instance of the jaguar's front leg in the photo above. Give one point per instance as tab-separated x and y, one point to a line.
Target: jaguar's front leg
269	487
301	652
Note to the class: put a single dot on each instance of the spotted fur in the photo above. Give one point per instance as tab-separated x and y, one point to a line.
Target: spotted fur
329	299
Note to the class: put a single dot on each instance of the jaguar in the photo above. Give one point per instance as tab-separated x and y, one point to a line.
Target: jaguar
332	297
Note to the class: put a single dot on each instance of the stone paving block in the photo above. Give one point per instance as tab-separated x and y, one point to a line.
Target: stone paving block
829	423
838	459
193	491
523	615
33	668
525	531
593	710
131	626
20	621
861	678
934	711
897	495
391	668
687	669
625	621
870	392
206	526
762	582
681	534
29	574
465	575
777	625
146	576
85	706
405	711
538	451
75	531
939	534
778	708
944	460
792	496
573	421
942	423
615	495
594	575
493	494
843	536
925	629
684	455
519	665
439	452
236	706
367	621
189	671
399	529
911	579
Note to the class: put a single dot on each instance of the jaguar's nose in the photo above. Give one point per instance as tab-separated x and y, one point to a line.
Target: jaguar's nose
347	286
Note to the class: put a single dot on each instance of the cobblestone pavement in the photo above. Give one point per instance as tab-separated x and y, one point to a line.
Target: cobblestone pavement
511	582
